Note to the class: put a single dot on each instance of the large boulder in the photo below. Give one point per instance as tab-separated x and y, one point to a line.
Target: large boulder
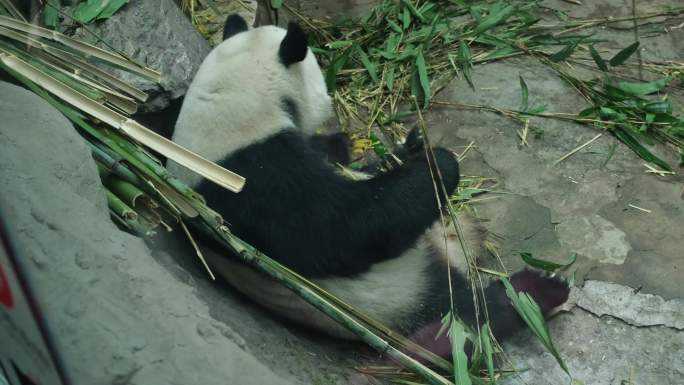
157	34
120	314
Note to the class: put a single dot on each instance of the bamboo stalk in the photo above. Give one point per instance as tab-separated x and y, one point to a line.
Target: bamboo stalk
87	49
113	164
171	150
250	255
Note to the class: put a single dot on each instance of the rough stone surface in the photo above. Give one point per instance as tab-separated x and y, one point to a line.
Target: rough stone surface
581	205
594	237
327	9
600	351
157	34
637	309
119	315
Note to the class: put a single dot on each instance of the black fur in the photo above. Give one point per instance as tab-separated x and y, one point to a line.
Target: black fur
299	211
234	25
290	107
334	146
504	322
294	46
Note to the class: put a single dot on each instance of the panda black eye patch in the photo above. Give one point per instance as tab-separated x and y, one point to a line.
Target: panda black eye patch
290	107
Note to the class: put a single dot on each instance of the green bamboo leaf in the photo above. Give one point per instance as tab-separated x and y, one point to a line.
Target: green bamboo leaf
87	11
416	88
466	60
666	118
457	335
600	63
411	7
631	141
406	18
340	44
392	42
370	66
497	15
111	8
51	13
389	77
467	193
394	26
92	10
525	94
486	336
624	54
500	53
444	324
663	107
610	114
377	146
275	4
476	13
423	77
616	94
564	53
334	67
530	312
536	110
644	88
546	265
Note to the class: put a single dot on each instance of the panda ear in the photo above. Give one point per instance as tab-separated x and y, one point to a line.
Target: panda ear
234	25
293	48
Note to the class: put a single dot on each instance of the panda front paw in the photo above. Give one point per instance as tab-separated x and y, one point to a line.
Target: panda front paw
548	292
415	143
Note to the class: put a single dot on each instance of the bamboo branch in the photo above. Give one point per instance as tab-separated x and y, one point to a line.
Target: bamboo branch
171	150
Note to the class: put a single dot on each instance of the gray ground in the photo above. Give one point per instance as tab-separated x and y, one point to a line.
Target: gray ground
627	331
126	314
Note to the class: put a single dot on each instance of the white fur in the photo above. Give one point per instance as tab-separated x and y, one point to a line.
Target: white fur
450	248
235	98
388	292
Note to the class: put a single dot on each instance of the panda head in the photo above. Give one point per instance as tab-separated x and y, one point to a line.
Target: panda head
254	84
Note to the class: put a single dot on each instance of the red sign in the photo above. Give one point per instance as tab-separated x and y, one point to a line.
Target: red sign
5	293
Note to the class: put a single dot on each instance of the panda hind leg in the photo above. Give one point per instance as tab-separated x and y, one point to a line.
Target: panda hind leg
546	291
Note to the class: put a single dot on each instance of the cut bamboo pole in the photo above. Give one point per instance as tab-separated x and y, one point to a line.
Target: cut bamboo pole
167	148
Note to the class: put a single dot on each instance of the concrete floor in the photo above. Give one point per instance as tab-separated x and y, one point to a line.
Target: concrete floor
582	206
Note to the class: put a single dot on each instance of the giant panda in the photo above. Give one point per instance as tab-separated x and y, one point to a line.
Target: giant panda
378	243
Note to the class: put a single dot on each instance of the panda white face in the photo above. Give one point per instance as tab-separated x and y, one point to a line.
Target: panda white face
254	84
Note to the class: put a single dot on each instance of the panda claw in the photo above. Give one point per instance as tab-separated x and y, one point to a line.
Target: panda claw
547	290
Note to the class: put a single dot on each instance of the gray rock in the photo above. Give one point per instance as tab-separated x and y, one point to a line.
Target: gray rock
118	315
334	10
623	302
599	351
157	34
